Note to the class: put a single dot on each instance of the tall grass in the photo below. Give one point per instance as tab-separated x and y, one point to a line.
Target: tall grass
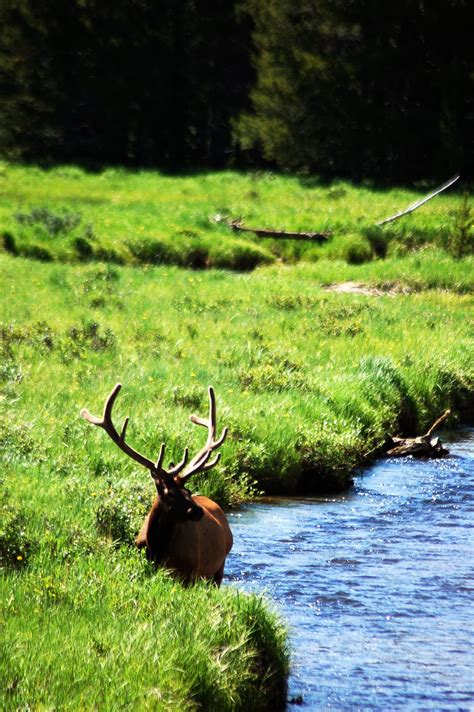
89	627
124	217
309	381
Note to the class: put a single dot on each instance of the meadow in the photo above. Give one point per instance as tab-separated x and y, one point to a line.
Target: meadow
64	214
309	381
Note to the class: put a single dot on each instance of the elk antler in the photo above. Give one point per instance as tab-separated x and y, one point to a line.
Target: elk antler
156	468
200	462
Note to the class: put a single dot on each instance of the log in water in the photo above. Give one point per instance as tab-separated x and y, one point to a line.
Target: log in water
376	585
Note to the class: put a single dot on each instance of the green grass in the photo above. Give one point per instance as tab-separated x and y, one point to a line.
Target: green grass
89	627
309	381
124	217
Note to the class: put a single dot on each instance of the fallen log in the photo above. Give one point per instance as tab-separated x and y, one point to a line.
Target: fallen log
422	446
238	226
418	203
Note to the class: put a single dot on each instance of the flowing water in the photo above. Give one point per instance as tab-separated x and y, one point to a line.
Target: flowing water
375	585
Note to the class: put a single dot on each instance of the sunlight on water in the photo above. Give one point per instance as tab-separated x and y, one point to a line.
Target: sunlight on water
376	585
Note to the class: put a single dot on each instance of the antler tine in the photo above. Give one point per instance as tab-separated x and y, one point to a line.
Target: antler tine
200	463
212	463
123	432
181	465
119	439
109	404
161	456
211	422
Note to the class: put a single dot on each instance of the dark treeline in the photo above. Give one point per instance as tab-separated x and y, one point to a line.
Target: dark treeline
337	87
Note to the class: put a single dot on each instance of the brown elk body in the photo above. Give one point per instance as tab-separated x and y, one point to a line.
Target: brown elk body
186	533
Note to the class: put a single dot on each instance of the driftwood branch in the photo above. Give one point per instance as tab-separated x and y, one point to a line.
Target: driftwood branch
419	203
281	234
422	446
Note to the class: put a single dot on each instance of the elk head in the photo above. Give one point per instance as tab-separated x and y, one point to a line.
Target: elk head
173	498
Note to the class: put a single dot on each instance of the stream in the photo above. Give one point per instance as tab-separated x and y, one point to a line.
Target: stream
375	585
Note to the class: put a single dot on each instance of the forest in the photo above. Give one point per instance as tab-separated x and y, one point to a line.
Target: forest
338	88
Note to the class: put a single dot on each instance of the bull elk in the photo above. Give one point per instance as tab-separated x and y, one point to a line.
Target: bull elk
186	533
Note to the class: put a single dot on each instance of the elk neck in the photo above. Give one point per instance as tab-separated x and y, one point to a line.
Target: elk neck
161	527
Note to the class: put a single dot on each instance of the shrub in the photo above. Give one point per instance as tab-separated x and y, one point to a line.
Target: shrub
10	372
53	223
188	397
16	442
271	371
90	335
121	512
461	239
271	377
228	486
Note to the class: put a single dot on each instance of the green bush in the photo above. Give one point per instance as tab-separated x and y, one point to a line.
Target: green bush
10	372
192	397
17	443
90	335
53	223
461	238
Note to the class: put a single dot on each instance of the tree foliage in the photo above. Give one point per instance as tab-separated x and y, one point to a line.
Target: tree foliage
338	87
348	87
135	82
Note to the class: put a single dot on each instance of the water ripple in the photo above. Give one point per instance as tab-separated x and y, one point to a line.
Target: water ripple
376	585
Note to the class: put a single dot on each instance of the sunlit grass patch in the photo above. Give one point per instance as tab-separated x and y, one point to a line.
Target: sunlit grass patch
144	217
106	632
309	382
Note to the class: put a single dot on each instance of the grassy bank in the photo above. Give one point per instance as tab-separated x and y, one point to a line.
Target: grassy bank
86	626
120	217
310	381
85	623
